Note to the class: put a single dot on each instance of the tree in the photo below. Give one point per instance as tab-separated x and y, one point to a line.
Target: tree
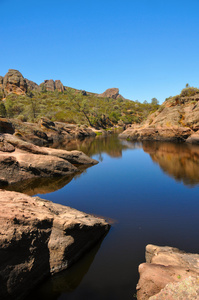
154	101
187	85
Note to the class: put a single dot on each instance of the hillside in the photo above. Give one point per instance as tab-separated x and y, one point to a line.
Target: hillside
177	119
27	101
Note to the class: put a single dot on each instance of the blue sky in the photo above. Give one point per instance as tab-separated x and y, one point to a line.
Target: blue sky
146	48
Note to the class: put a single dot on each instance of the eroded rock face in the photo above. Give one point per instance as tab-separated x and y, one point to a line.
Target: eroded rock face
6	126
164	265
59	86
111	93
39	238
14	82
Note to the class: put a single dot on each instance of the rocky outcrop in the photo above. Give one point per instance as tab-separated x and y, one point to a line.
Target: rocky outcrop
51	85
14	82
111	93
173	121
32	86
45	132
59	86
164	265
20	160
39	238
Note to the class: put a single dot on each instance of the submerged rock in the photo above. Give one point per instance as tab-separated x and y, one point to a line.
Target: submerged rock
39	238
165	265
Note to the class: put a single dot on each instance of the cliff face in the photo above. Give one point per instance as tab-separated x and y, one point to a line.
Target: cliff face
111	93
176	120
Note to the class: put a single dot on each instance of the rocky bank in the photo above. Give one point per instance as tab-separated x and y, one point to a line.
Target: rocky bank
177	119
168	274
39	238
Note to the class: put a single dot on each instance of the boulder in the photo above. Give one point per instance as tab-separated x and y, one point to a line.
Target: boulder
39	238
111	93
164	265
14	82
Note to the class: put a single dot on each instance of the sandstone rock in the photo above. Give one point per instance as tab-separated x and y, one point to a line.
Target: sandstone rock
6	126
193	138
164	265
14	82
187	289
39	238
111	93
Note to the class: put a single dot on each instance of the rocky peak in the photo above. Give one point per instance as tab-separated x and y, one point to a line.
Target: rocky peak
51	85
14	82
111	93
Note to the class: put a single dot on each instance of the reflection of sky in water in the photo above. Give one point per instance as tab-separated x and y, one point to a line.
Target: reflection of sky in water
149	206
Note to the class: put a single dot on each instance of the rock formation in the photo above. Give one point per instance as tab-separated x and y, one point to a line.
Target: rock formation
51	85
111	93
39	238
14	82
32	86
173	121
20	160
165	265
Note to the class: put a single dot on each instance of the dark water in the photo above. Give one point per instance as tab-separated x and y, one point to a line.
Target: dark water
149	191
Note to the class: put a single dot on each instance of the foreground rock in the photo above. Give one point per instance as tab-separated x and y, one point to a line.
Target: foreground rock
39	238
21	160
176	120
165	265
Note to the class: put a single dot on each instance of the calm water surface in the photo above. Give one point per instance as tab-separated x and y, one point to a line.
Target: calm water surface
150	194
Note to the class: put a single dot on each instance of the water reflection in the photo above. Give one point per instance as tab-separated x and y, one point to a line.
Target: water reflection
66	281
43	185
180	161
110	145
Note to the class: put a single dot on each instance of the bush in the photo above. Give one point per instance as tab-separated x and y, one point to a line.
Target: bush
189	91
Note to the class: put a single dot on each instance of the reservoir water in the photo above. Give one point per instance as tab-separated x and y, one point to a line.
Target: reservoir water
148	191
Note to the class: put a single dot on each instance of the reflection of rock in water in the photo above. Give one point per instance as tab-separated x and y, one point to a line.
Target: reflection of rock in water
43	185
66	281
180	161
110	145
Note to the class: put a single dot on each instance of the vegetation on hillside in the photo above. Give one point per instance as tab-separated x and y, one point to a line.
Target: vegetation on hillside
72	106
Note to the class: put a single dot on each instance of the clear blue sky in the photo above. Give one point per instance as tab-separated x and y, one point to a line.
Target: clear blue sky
146	48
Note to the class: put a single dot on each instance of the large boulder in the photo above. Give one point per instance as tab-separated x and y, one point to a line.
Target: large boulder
39	238
14	82
164	265
111	93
